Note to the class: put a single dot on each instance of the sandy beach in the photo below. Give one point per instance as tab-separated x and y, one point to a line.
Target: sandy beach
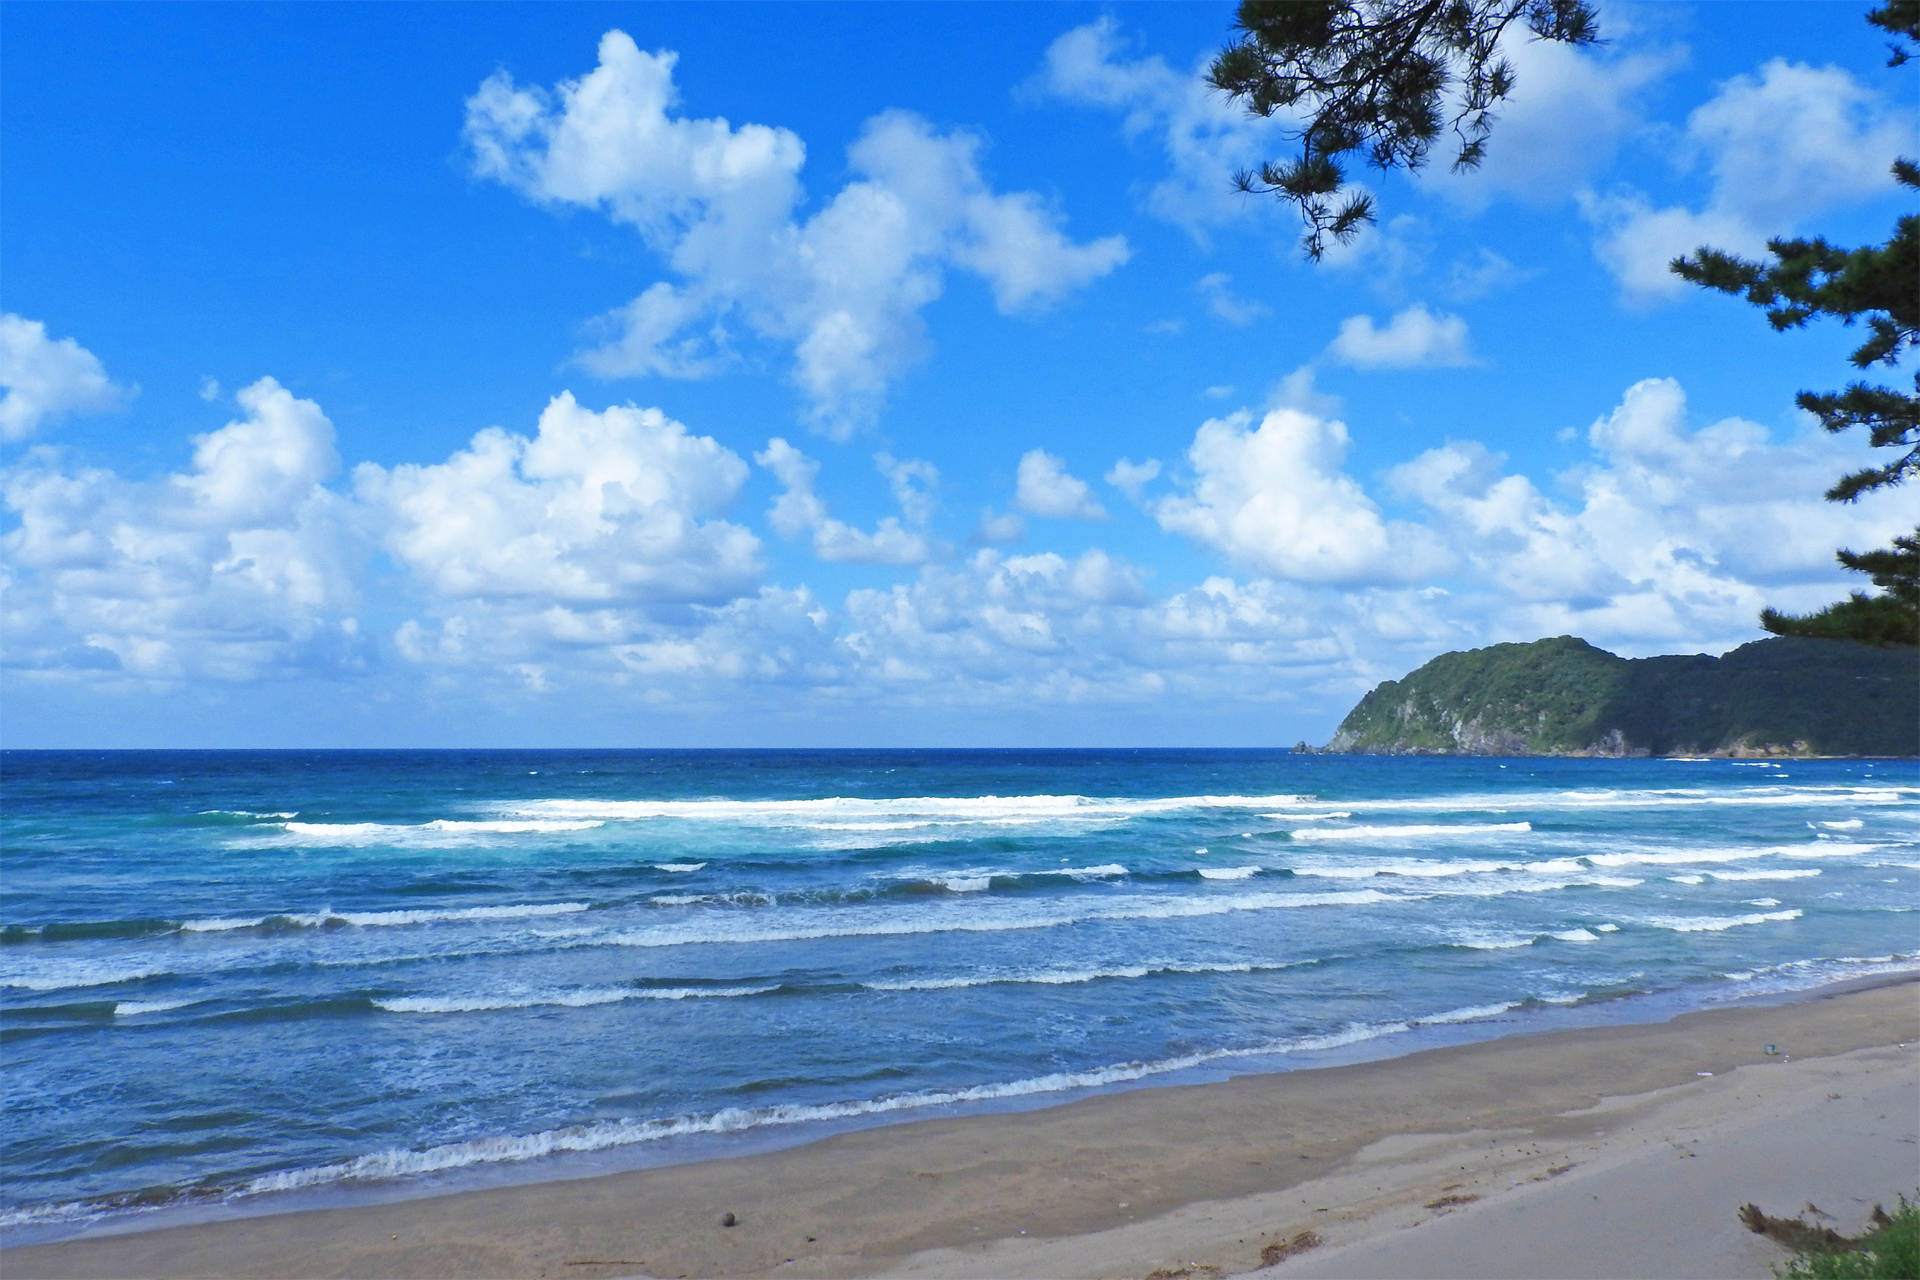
1612	1151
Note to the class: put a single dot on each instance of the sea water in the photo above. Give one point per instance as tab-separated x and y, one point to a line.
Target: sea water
233	977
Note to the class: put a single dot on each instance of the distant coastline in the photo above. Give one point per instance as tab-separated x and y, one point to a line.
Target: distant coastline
1785	697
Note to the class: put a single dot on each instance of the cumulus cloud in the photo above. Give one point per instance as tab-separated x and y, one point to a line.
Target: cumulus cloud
800	512
1272	497
48	377
913	481
1009	630
1131	477
1676	535
1414	338
616	508
1781	146
1045	488
1569	110
1204	137
243	567
844	287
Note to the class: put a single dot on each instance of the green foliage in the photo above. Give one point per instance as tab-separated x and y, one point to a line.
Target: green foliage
1891	618
1371	77
1564	696
1889	1252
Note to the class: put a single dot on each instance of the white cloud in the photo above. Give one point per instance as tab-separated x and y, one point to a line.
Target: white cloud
845	287
46	378
1782	146
1677	536
242	568
1131	477
800	512
1205	138
1045	488
1569	110
614	509
1414	338
1274	499
997	527
913	481
1224	305
1484	272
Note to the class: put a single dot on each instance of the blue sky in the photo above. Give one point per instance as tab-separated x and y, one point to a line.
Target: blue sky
864	374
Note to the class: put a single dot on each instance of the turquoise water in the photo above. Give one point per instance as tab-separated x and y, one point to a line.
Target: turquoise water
232	975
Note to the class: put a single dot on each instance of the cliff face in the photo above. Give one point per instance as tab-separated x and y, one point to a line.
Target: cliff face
1781	696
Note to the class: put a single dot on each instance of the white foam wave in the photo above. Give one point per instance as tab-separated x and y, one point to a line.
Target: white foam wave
380	919
723	899
1827	849
1479	940
1794	873
1472	1014
836	812
579	998
840	924
1688	879
614	1133
1071	977
65	976
1797	975
1329	816
1228	873
134	1008
1435	868
678	866
363	833
1763	902
1653	797
1412	831
1849	824
966	884
243	813
1575	935
1714	924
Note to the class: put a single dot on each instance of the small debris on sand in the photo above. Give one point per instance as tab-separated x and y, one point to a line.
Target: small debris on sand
1278	1252
1448	1202
1800	1235
728	1220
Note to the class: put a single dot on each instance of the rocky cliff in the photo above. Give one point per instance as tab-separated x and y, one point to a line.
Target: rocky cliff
1781	696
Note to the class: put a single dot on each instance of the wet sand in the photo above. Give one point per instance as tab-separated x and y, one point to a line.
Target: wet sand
1594	1152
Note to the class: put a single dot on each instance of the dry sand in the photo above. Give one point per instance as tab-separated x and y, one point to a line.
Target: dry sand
1598	1152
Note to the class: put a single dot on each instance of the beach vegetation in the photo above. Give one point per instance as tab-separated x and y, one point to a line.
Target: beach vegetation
1379	80
1890	1250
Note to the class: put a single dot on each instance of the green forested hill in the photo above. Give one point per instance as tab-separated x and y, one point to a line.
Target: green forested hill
1786	695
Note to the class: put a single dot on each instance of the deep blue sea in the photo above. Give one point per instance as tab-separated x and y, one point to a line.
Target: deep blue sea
234	976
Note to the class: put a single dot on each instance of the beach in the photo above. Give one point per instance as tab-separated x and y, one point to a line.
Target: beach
1604	1151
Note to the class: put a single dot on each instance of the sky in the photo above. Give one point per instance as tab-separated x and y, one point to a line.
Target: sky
878	374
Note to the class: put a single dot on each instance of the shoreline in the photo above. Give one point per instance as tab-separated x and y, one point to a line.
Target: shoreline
1082	1179
141	1212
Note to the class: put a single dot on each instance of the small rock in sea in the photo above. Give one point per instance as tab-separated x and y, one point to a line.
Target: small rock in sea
727	1220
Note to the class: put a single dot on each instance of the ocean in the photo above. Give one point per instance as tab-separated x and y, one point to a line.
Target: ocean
230	980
